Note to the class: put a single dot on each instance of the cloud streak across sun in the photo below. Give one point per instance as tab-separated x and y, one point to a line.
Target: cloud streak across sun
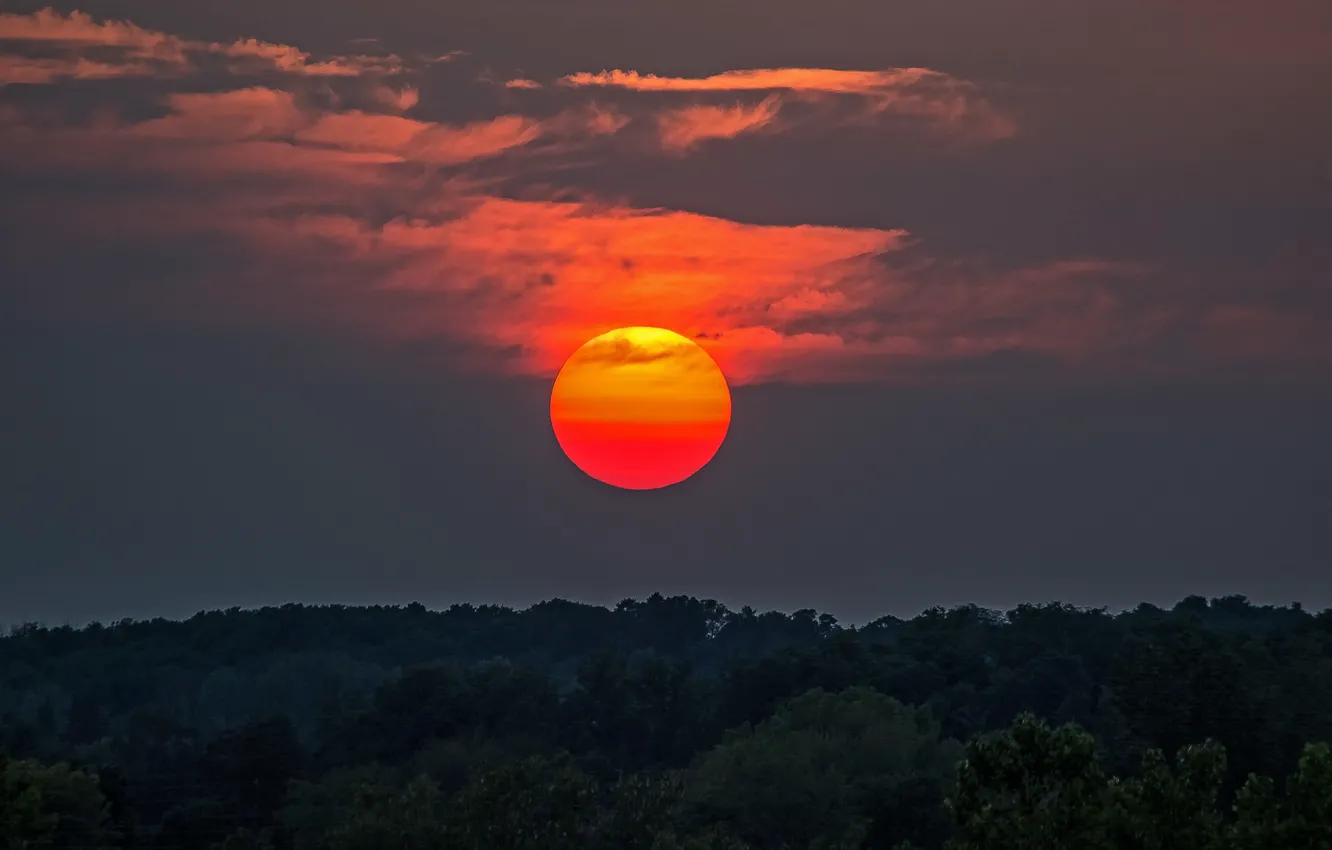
334	192
640	407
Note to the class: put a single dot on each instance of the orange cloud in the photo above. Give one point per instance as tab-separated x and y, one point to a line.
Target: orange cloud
549	275
290	60
218	122
824	80
443	144
421	141
682	129
590	120
397	100
543	275
144	52
226	116
540	276
768	302
44	70
921	92
325	222
446	145
78	29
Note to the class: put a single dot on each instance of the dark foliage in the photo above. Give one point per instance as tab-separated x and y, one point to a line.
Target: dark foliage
670	724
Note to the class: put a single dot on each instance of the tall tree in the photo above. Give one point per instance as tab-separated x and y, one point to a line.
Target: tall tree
24	823
1030	787
828	770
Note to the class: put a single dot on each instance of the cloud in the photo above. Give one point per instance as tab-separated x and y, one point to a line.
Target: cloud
590	120
445	144
682	129
622	351
18	70
421	141
290	60
258	128
823	80
616	266
396	100
341	198
136	51
220	117
949	103
78	29
324	228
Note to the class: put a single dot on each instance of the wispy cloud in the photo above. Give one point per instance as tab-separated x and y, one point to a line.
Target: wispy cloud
342	199
78	29
823	80
32	70
952	104
126	49
421	141
683	128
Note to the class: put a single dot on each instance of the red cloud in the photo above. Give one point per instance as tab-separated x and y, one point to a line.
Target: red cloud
544	275
342	215
549	275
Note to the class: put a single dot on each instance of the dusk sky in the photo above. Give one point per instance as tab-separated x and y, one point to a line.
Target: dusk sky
1018	301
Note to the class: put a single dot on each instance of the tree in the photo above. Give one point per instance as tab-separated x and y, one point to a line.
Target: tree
246	839
249	768
828	770
24	824
413	818
1164	809
640	812
711	839
70	801
1181	685
1258	824
1263	821
1030	787
315	810
529	804
1309	801
196	824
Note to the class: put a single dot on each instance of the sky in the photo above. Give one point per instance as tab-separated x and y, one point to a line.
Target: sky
1024	300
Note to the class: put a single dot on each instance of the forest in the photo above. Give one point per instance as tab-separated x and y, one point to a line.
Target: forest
671	723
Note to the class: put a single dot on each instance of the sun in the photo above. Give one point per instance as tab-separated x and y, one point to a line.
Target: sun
640	408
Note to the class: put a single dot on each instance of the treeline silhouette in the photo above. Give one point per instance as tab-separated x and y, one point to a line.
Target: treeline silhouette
671	724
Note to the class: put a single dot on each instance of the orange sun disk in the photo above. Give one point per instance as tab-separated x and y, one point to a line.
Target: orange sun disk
640	408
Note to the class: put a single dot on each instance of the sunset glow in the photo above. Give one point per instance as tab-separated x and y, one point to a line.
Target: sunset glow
349	198
640	408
